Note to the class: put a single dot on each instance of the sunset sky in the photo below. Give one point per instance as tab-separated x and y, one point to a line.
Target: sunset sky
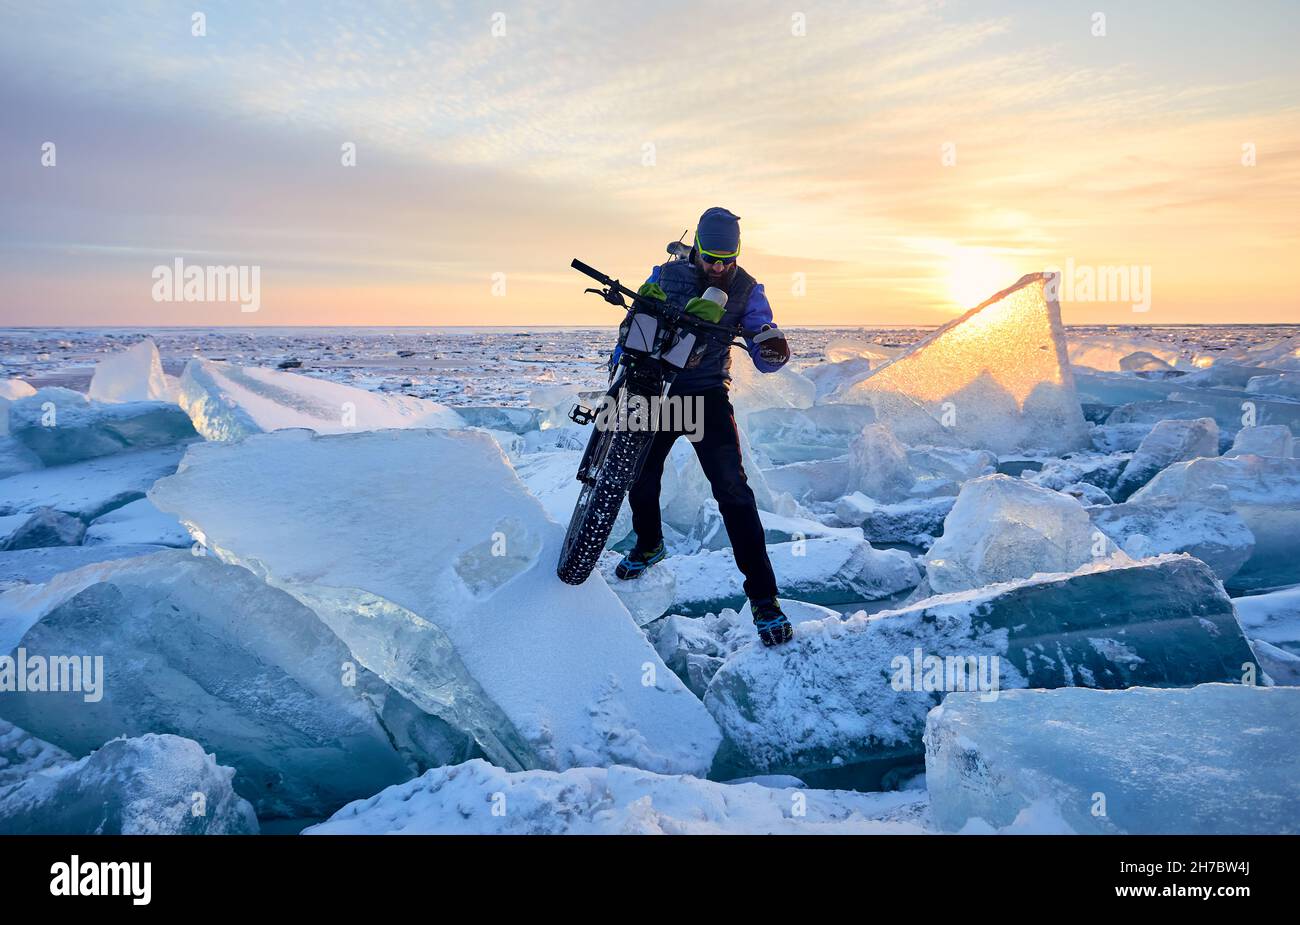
601	131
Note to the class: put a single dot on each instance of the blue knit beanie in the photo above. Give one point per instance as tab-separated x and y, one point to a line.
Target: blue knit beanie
718	231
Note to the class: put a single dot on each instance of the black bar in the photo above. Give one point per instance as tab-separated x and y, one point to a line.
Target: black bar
940	877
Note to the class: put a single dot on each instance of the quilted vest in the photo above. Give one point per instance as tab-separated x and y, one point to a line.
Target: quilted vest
683	280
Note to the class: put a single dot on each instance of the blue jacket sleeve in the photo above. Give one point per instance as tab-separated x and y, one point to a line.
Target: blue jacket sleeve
758	313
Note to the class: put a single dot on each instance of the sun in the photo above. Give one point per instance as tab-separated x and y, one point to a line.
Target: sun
974	275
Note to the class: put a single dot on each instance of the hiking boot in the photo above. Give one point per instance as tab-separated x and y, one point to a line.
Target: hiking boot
771	623
638	560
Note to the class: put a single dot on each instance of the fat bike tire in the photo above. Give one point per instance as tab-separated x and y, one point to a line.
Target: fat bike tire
598	505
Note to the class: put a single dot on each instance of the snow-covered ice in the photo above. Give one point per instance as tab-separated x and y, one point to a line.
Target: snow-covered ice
695	647
646	597
1087	494
149	785
62	426
1216	759
92	488
137	522
1273	618
1118	438
45	527
227	402
916	521
37	566
1213	533
22	754
844	692
1281	665
343	545
15	457
1099	470
428	557
477	798
821	570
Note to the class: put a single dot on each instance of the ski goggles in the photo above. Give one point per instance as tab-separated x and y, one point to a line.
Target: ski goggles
711	257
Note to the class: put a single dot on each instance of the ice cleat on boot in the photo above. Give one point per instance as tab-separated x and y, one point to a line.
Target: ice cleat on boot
638	560
771	623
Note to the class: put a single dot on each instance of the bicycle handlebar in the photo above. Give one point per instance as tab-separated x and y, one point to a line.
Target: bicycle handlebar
614	284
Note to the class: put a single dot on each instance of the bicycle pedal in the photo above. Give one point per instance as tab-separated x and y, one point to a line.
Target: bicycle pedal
581	414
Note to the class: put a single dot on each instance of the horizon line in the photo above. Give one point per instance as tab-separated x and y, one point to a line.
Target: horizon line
504	327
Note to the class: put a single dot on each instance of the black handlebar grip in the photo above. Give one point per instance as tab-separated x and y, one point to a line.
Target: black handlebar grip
590	271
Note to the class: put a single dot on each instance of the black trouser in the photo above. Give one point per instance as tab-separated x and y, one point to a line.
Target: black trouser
719	454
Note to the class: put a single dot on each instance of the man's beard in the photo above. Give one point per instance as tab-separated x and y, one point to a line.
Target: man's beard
721	280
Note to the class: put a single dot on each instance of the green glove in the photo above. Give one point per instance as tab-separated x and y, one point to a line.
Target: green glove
653	291
705	310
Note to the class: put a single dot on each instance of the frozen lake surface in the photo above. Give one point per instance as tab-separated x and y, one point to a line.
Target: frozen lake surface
1098	522
479	365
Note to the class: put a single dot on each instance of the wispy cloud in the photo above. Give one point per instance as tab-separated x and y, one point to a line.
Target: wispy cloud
602	131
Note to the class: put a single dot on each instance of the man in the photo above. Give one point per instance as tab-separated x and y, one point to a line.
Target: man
713	262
